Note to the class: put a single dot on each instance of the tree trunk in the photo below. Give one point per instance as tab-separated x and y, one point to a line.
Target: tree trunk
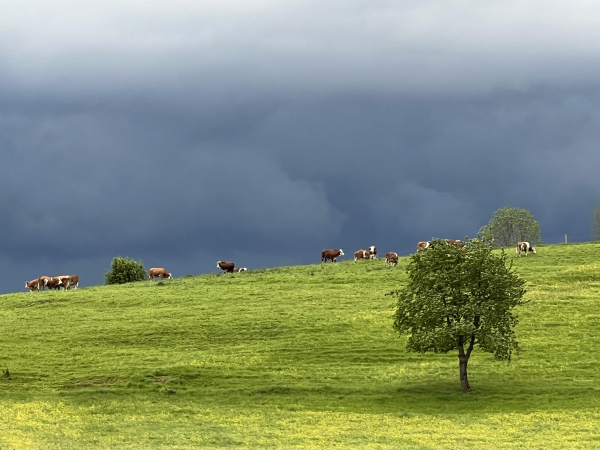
464	379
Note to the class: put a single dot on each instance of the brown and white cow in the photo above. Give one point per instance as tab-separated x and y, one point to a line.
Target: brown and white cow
362	254
69	280
225	266
524	247
391	259
159	272
53	283
241	269
33	285
421	246
331	254
373	252
43	281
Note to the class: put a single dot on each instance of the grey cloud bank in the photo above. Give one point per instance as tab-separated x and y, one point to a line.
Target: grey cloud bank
262	133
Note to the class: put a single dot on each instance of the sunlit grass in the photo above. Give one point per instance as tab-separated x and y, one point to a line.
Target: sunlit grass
298	357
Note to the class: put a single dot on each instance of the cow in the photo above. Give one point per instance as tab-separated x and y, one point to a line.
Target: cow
43	281
33	285
422	246
73	281
225	266
159	272
53	283
331	254
241	269
68	280
362	254
373	252
391	259
524	247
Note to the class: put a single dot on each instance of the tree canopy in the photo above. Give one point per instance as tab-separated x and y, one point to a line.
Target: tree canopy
457	298
125	270
511	225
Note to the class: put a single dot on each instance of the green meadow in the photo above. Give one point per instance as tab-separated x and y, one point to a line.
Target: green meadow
295	357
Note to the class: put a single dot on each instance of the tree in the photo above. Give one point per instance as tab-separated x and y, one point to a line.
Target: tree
457	298
125	270
595	229
511	225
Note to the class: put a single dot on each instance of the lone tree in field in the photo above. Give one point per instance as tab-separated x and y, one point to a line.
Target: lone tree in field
457	298
125	270
511	225
595	229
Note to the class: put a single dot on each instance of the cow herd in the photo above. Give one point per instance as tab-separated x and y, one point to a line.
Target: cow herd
391	259
64	281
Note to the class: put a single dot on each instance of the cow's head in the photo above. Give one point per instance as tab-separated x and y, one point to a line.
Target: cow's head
170	276
27	284
341	252
218	264
372	249
532	249
59	282
243	269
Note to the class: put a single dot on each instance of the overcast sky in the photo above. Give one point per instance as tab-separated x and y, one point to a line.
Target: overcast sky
261	132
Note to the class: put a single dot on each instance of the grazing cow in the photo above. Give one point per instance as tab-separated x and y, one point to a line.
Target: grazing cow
225	266
159	272
331	254
53	283
362	254
391	259
241	269
524	247
33	285
373	252
421	246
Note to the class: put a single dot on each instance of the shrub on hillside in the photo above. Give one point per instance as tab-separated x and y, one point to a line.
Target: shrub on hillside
125	270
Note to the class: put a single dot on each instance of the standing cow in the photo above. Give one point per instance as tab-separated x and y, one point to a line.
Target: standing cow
53	283
391	259
373	252
225	266
524	247
331	254
159	272
362	254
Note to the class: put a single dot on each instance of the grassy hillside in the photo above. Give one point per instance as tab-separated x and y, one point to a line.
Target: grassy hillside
297	357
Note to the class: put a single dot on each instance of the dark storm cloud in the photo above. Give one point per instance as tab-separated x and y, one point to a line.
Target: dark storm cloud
263	133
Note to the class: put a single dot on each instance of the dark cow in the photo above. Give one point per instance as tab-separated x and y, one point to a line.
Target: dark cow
421	246
159	272
331	254
373	252
524	247
391	259
33	285
43	281
225	266
362	254
53	283
241	269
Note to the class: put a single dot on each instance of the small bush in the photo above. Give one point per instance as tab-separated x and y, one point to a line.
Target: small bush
125	270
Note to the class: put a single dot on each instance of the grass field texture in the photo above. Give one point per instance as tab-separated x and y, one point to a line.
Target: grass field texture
294	357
